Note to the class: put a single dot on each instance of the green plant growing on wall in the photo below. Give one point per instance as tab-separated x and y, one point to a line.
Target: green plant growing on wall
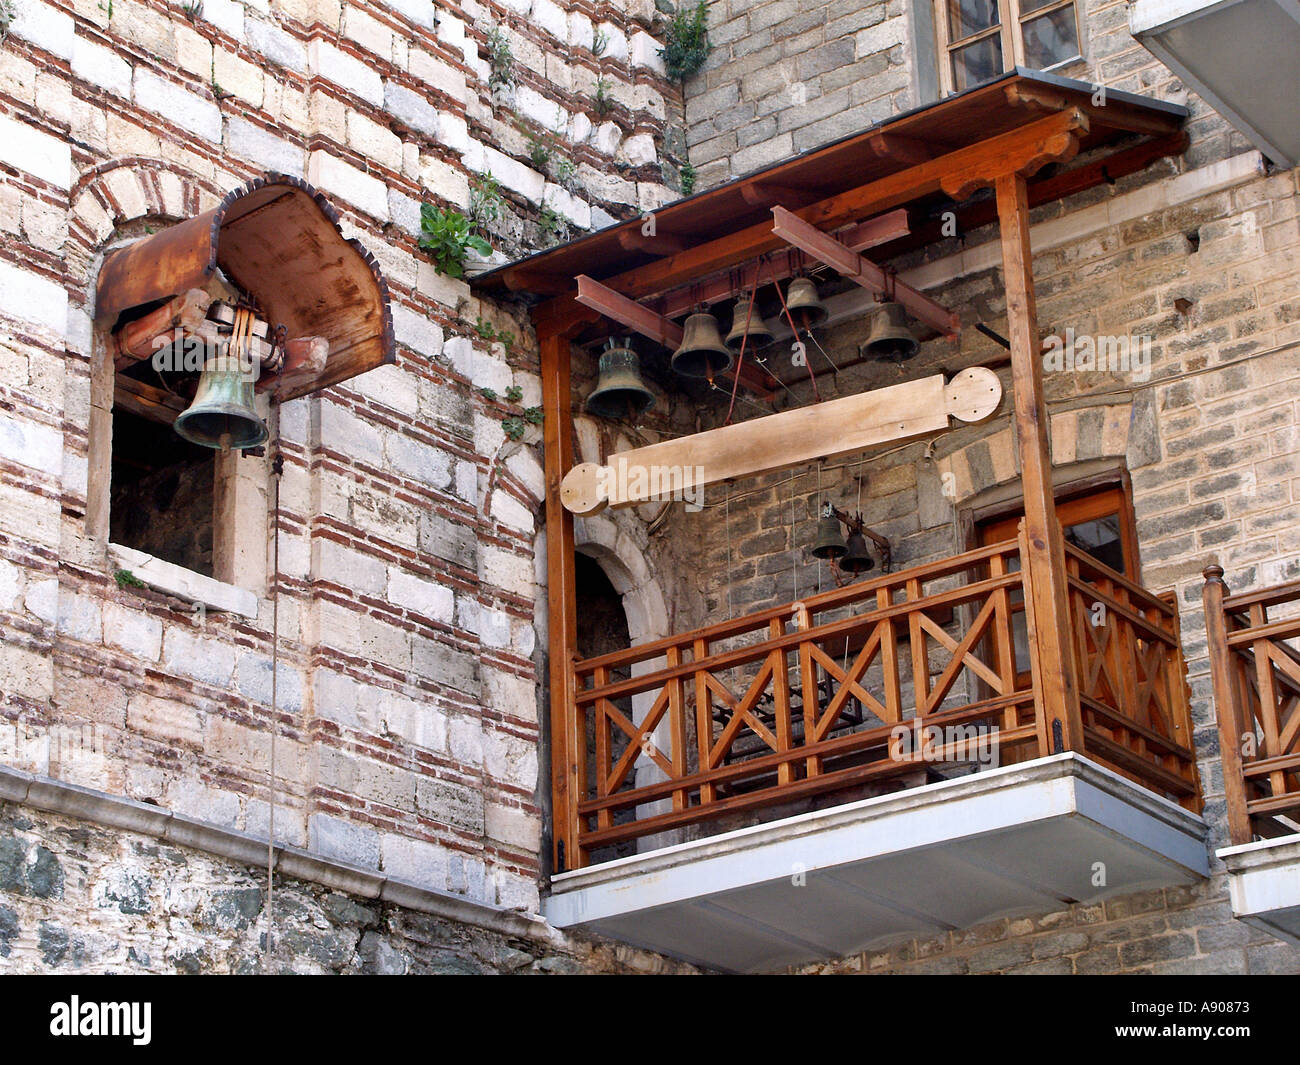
534	415
485	329
599	42
514	428
603	103
490	394
501	60
687	174
549	225
565	171
514	393
8	12
126	579
506	339
486	204
686	41
447	235
539	150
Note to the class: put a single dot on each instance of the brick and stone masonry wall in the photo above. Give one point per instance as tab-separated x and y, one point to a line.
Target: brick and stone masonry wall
408	678
81	898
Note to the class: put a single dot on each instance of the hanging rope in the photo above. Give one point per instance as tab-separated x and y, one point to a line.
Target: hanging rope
730	614
277	468
740	359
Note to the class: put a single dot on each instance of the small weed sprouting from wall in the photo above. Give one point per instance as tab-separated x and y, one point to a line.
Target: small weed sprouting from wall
686	41
501	60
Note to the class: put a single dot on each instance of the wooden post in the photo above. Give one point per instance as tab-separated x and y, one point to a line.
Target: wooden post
1046	580
568	742
1225	705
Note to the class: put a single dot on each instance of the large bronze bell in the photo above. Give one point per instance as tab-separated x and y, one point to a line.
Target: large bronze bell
890	337
805	306
759	332
620	392
222	415
829	542
702	353
857	559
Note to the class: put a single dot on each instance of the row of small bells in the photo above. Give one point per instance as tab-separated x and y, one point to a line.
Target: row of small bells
705	353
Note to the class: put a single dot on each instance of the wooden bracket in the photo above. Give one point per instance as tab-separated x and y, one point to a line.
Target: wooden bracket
139	339
858	268
1058	144
673	468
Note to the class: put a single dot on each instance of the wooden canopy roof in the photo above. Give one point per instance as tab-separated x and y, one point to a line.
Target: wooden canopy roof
278	239
699	235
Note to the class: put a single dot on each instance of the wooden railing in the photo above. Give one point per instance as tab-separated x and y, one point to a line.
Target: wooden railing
1132	680
1255	668
806	699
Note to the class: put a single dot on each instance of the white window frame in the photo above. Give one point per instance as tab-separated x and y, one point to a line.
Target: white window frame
1008	30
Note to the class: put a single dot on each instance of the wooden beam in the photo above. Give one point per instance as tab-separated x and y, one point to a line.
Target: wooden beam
1046	578
1114	113
146	401
777	442
1006	153
137	340
659	244
542	282
862	270
767	193
1066	183
568	743
879	230
648	323
900	148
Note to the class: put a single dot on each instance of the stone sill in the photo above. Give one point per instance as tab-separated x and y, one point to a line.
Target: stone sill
183	583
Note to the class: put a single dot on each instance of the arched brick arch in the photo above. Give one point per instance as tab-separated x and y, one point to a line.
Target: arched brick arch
118	192
1115	430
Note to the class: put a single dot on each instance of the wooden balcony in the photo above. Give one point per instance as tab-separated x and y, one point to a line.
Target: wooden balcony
871	688
887	741
1255	664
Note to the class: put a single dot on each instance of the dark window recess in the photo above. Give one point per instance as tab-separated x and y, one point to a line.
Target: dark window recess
162	493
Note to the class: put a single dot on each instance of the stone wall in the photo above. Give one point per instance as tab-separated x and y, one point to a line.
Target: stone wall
408	659
79	898
1177	931
785	77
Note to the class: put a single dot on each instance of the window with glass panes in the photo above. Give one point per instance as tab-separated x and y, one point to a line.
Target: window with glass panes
980	39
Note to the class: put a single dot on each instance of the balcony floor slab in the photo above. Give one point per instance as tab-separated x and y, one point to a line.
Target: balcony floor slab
1026	838
1264	885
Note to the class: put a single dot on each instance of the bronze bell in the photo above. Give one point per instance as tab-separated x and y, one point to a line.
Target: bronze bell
222	415
620	392
829	543
702	353
890	337
805	306
857	559
760	333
